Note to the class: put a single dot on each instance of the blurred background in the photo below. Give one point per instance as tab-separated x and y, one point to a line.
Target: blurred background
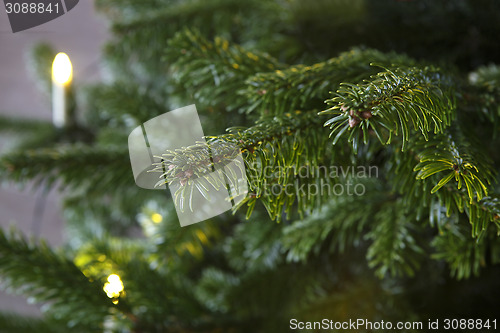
80	33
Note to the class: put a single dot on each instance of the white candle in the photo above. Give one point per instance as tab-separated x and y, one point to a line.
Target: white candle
62	74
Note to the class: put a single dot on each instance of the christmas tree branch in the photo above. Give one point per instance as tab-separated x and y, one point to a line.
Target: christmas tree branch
171	243
39	65
214	71
339	225
428	167
144	284
302	86
120	10
37	134
390	103
14	323
22	125
255	246
394	250
122	106
273	150
37	271
464	254
149	32
97	169
482	95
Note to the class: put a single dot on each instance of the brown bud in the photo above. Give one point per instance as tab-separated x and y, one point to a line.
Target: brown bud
353	121
366	114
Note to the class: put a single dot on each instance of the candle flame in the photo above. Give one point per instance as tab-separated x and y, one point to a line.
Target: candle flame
62	70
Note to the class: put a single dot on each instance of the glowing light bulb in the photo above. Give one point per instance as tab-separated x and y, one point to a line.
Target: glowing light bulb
62	70
156	218
114	286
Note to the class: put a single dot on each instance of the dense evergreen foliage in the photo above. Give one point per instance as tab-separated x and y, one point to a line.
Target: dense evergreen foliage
406	89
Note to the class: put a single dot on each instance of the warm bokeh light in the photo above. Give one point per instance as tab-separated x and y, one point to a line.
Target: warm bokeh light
62	70
114	286
156	218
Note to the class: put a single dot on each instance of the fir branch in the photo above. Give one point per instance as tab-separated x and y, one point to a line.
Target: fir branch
39	63
214	71
302	86
36	134
443	154
390	103
394	250
37	271
339	225
255	246
428	167
210	293
121	10
14	323
464	254
480	213
171	243
149	32
487	76
30	133
97	169
23	125
144	284
273	152
482	95
122	105
178	14
89	215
